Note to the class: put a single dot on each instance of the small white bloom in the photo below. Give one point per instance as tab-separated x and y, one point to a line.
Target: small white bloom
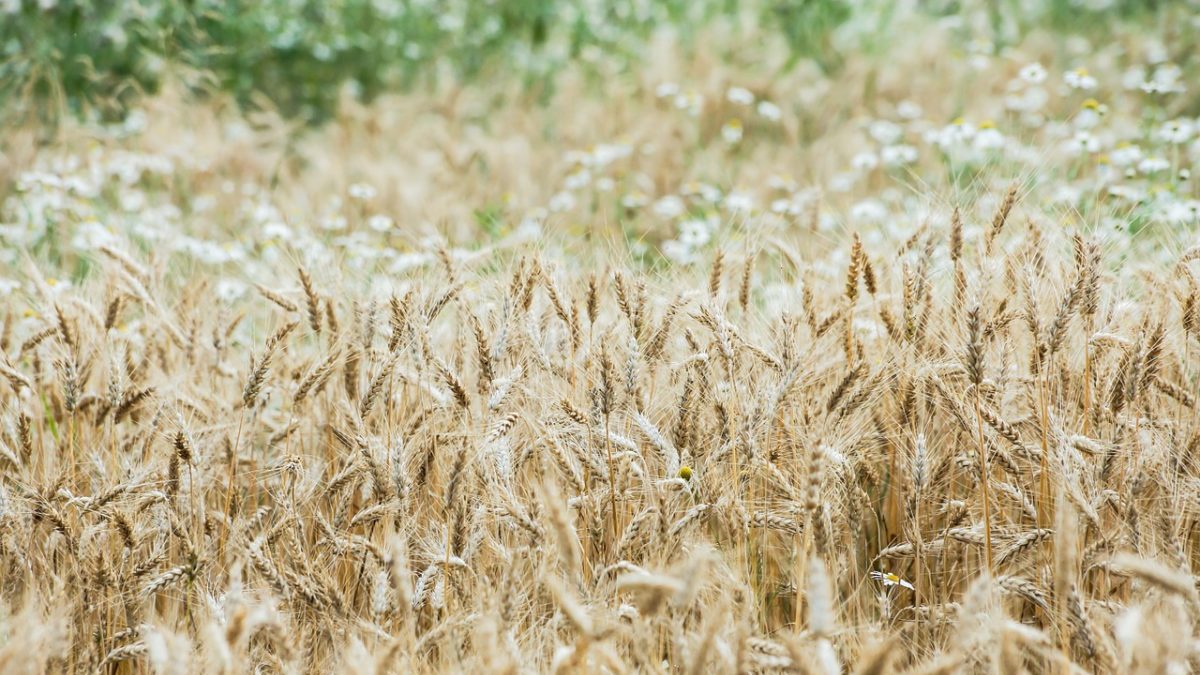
229	290
843	181
1133	78
1079	79
634	200
607	153
781	182
362	191
989	139
1166	80
678	252
1152	165
1085	141
276	230
865	161
132	201
952	135
1156	52
691	102
739	202
1033	73
563	201
908	110
694	233
786	206
379	223
529	228
769	111
740	96
898	155
890	579
1125	155
1179	211
577	179
704	191
1127	193
869	211
1176	131
885	132
731	131
333	223
670	206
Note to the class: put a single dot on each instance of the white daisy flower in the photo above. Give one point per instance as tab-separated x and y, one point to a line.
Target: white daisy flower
1153	165
864	161
666	90
731	131
898	155
740	95
889	579
1177	131
885	132
379	223
908	110
670	206
1079	79
769	111
1033	73
362	191
739	202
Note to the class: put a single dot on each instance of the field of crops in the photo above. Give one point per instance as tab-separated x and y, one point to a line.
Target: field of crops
781	336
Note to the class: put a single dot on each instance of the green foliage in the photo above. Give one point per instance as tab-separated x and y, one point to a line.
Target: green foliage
808	27
95	56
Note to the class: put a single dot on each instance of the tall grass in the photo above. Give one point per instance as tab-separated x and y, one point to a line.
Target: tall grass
718	364
525	470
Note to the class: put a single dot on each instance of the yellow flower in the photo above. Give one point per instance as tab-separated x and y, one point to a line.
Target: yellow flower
1091	104
685	472
987	124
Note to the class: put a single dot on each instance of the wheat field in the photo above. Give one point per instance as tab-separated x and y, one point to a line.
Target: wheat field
713	363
